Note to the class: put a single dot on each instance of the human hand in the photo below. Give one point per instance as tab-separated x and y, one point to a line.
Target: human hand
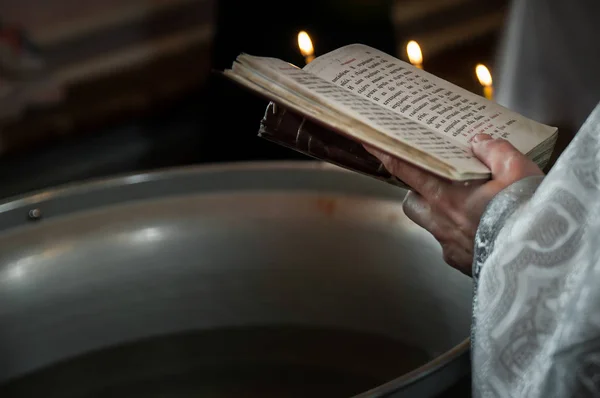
451	211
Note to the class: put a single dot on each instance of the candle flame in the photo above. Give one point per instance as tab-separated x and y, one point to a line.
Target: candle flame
483	75
414	53
305	44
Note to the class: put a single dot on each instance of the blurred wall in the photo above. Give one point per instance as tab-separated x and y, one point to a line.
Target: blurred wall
112	58
140	95
130	70
549	62
440	26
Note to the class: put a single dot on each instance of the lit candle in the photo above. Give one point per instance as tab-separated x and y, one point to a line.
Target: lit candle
485	79
306	46
415	56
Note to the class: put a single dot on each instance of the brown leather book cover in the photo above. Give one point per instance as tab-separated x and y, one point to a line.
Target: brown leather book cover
305	136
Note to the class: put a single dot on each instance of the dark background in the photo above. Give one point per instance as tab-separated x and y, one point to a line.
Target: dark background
168	108
137	87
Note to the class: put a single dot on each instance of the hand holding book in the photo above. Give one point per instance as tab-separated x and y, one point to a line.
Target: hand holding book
452	212
453	149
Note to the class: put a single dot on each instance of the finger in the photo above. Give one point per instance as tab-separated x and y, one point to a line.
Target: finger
481	137
457	257
428	185
374	151
420	212
442	228
502	158
492	152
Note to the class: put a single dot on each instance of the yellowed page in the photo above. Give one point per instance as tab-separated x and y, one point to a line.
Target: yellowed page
447	109
382	120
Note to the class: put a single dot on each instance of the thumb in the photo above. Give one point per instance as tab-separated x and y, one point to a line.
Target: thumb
503	159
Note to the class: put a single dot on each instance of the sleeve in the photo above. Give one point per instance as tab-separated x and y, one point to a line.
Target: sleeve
499	211
536	309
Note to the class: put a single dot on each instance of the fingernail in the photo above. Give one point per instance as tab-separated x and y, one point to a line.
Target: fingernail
481	137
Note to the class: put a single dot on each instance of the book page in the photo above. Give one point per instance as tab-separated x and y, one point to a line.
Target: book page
386	121
424	98
340	123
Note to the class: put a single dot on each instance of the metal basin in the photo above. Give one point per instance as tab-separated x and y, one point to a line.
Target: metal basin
268	279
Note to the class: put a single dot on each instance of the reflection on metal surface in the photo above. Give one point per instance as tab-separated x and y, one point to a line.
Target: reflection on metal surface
136	178
116	263
146	235
16	271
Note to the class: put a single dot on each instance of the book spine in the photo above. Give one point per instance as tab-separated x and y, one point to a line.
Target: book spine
302	135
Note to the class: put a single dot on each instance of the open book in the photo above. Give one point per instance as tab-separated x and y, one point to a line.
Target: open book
357	95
